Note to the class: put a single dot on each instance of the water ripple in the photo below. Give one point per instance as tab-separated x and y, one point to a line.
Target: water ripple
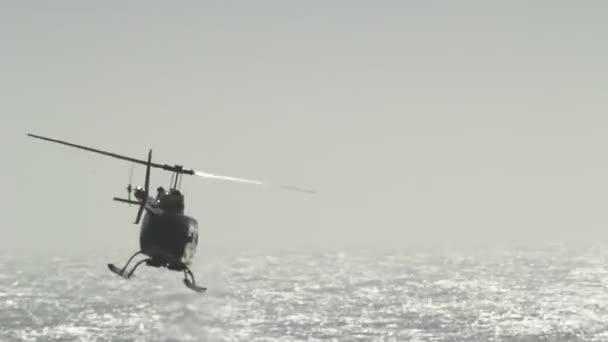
517	295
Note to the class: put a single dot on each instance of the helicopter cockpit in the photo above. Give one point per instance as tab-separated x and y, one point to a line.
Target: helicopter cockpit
171	201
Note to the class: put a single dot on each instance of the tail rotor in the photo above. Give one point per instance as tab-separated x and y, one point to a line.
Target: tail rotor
129	187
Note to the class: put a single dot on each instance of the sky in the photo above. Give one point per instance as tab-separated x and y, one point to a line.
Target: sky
418	122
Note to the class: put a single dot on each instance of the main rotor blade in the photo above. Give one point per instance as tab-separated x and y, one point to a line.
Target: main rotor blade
147	181
227	178
176	168
249	181
295	188
109	154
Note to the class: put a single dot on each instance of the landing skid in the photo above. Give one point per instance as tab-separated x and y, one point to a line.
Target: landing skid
194	287
189	280
116	271
191	283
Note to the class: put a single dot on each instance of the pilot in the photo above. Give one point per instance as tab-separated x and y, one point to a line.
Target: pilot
160	193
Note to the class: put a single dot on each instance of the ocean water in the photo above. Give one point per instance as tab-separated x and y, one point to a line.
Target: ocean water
548	294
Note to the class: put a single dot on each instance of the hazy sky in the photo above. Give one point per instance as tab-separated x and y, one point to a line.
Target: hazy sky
418	121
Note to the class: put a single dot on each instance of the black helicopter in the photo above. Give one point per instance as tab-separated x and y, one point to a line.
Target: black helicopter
168	237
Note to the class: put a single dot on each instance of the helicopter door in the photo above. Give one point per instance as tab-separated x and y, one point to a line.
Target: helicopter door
192	241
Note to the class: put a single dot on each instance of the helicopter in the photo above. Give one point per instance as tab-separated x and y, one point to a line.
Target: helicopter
168	238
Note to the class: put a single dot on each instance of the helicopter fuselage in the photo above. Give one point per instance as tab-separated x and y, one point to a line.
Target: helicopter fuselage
168	236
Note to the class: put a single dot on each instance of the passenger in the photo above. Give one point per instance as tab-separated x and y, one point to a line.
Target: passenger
174	201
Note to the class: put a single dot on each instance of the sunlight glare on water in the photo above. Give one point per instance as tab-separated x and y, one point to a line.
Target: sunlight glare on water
551	294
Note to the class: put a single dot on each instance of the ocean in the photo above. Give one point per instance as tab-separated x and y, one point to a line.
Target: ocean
508	294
